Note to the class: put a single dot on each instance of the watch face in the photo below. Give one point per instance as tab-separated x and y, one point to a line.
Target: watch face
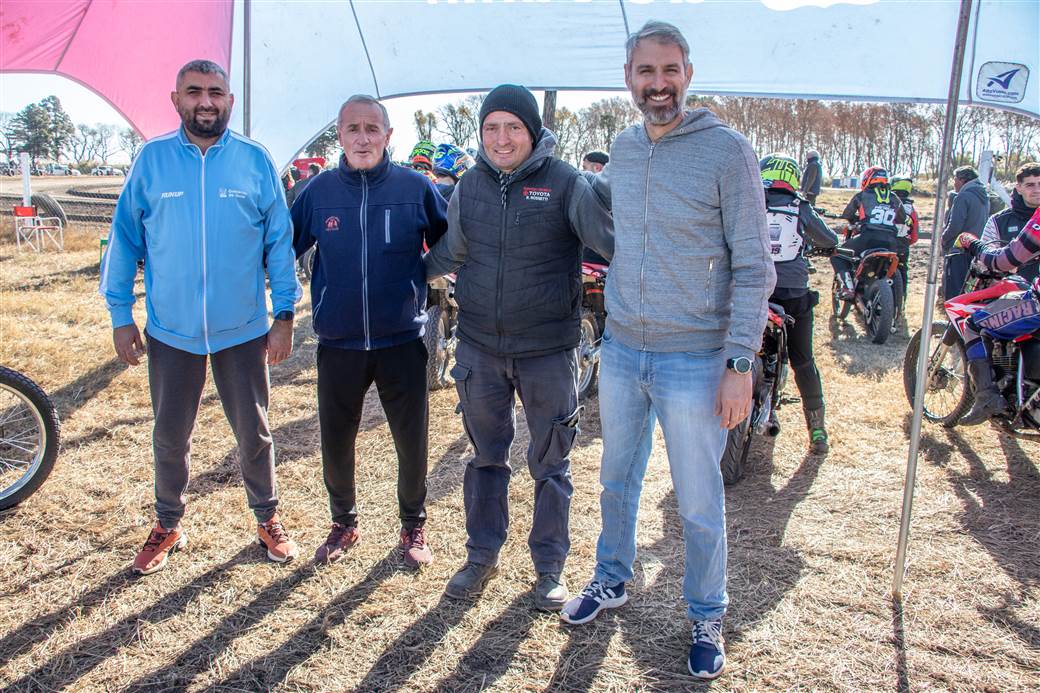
741	364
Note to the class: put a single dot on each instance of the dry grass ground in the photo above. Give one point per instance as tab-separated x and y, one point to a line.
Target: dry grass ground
811	544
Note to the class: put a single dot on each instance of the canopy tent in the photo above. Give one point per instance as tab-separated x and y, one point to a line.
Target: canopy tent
300	60
307	57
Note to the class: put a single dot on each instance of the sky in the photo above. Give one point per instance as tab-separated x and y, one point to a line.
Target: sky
84	106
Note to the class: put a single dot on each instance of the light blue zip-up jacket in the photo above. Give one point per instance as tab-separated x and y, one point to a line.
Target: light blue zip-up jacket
204	226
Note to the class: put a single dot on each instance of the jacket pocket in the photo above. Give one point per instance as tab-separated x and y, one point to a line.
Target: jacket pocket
338	313
393	308
386	226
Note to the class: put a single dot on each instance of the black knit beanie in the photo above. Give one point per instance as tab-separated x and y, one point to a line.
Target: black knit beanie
517	100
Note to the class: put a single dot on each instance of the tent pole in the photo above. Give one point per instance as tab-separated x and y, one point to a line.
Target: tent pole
247	70
929	295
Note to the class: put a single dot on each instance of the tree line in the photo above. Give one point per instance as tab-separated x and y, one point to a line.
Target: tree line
45	131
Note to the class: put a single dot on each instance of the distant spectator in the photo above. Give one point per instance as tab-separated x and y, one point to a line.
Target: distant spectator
812	176
594	161
313	170
969	214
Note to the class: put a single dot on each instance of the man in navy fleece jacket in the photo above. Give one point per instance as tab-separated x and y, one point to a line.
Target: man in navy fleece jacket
369	218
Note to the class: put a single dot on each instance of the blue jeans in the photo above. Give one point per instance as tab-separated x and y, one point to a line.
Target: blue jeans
679	388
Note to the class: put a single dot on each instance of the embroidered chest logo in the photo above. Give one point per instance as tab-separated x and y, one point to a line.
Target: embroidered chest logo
332	224
231	192
537	194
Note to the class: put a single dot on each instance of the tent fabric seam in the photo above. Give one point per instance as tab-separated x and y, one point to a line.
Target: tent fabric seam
68	44
368	56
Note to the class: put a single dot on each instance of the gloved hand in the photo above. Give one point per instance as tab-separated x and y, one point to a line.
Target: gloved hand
965	240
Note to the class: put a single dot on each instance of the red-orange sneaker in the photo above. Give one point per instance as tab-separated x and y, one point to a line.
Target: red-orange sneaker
417	552
159	545
271	535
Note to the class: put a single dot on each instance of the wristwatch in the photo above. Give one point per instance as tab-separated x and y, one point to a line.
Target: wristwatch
740	364
285	315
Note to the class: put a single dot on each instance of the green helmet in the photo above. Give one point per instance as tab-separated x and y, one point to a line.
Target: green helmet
902	184
780	172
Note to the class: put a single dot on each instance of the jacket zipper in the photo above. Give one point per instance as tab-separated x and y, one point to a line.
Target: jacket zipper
202	189
642	262
386	225
501	264
707	292
364	258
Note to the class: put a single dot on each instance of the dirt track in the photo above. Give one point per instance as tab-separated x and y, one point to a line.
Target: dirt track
811	544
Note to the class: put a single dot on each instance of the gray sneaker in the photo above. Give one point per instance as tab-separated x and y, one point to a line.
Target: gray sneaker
470	581
550	592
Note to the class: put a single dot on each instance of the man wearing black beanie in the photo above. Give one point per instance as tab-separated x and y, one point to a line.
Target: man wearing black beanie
516	226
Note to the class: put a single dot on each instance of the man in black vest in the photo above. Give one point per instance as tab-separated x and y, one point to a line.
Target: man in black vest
1004	226
516	226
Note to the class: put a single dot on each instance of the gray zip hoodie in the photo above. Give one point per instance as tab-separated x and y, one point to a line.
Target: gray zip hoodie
692	269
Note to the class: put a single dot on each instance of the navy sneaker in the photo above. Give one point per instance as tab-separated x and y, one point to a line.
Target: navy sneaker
594	598
707	656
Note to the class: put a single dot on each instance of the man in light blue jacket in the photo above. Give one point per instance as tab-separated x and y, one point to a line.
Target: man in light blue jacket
204	209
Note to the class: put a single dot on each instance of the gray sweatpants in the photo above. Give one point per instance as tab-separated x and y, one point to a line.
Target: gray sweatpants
176	379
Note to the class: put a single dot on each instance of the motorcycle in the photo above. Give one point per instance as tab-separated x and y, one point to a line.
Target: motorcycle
878	290
593	322
769	379
29	435
442	319
948	392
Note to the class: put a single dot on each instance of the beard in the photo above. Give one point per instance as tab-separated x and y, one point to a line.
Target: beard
214	129
662	114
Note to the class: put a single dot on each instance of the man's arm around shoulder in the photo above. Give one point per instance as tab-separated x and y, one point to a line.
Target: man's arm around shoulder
590	218
451	251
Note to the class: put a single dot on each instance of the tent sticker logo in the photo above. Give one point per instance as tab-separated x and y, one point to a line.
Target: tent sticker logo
1002	82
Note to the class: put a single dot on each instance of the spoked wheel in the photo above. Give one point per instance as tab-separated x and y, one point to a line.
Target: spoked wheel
734	457
880	310
948	392
588	355
306	263
840	306
28	437
440	346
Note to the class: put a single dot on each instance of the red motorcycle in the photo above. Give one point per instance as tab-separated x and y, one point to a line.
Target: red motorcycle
593	322
948	392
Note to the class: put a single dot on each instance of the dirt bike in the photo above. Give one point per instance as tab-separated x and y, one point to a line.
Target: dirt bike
769	378
442	319
878	290
29	433
948	393
593	322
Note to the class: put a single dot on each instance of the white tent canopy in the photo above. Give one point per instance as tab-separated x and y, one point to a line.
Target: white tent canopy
307	57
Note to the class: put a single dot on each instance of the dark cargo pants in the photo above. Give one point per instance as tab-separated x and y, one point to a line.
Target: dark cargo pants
547	386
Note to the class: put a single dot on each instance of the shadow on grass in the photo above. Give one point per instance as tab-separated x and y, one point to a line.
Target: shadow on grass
66	667
856	354
899	643
267	671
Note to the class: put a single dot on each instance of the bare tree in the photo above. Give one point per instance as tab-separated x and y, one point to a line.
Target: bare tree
424	124
456	122
130	142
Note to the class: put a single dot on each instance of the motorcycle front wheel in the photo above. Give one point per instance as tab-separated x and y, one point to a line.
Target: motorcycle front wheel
881	309
948	392
840	307
29	432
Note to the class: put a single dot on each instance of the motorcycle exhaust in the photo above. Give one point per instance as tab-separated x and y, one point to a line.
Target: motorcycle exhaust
773	425
764	425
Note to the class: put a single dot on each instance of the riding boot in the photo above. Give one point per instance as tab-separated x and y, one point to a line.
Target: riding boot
988	400
814	421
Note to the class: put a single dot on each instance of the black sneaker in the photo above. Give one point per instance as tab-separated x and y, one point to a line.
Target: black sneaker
707	655
594	598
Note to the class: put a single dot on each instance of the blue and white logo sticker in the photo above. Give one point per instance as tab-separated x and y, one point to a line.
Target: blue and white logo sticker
1002	82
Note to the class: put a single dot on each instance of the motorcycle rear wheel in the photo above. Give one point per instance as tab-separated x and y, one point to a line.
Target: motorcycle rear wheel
440	347
948	393
29	432
880	310
738	444
588	357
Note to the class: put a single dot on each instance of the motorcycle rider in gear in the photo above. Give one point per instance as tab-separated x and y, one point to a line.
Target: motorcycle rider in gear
879	212
1013	315
906	234
792	222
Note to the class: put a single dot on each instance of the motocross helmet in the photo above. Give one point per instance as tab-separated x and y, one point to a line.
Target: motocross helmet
421	157
873	177
449	160
780	172
902	185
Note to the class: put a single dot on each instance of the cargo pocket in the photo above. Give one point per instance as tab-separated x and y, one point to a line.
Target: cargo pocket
461	375
557	448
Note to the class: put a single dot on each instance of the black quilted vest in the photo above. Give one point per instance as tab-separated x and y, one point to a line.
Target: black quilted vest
519	293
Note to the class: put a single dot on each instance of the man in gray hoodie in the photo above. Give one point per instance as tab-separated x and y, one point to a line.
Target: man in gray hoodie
516	225
686	305
969	214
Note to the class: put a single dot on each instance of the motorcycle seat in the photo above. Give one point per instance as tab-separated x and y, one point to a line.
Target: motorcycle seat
778	309
871	251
